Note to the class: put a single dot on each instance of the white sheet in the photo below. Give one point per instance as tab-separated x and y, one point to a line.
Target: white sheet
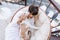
5	17
12	32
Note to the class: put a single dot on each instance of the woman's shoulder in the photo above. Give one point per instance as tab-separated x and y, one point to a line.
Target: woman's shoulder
42	16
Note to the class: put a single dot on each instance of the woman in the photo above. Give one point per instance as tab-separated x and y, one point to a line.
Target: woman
38	23
27	22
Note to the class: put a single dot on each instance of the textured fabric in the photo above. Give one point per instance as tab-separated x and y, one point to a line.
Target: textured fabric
12	32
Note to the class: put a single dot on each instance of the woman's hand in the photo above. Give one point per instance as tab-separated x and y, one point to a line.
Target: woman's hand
21	18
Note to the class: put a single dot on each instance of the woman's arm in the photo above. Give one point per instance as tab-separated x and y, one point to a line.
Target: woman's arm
21	18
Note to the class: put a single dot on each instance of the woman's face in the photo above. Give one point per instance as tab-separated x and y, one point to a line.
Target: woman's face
30	15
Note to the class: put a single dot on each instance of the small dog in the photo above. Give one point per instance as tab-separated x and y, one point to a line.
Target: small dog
24	29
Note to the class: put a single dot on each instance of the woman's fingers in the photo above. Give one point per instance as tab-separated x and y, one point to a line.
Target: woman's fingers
22	17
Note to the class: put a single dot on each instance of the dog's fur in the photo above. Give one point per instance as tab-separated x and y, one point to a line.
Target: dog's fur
24	31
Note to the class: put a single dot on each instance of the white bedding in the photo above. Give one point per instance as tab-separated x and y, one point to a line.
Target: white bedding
5	17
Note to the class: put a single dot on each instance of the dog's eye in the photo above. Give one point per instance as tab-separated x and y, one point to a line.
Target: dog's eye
29	32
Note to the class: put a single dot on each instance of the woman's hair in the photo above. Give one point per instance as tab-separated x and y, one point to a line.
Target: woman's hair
33	9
